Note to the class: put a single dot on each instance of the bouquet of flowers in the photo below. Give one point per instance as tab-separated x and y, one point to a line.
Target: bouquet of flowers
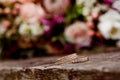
38	27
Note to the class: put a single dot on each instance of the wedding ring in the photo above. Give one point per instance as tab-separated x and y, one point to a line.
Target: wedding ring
80	59
68	57
73	58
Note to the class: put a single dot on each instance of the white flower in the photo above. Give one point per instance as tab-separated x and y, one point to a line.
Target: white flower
109	25
18	20
86	11
36	30
78	33
96	10
79	2
116	5
87	6
30	30
88	3
24	29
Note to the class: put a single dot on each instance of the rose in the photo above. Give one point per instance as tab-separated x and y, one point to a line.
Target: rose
56	7
78	33
31	12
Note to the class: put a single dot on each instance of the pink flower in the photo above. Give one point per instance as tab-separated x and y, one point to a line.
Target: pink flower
7	10
17	6
6	23
78	33
56	7
31	12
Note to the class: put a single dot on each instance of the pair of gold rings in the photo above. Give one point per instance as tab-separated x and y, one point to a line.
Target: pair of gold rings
72	58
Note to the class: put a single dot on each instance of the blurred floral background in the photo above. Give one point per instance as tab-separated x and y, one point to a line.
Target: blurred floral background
31	28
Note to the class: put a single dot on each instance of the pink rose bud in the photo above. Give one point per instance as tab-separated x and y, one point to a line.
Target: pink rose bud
95	15
7	10
6	23
14	12
17	6
90	24
91	33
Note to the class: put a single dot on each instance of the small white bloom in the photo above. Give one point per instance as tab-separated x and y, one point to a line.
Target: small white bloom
89	18
24	29
87	6
116	5
109	25
36	30
18	20
79	2
30	30
88	3
86	11
96	10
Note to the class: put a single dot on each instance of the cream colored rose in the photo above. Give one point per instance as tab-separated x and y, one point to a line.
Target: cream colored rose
109	25
30	30
31	12
78	33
